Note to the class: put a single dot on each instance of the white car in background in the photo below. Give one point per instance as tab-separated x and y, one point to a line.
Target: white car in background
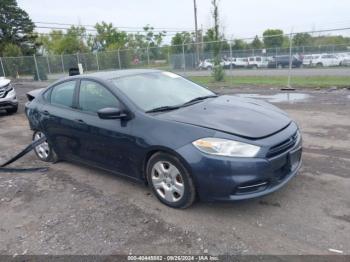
326	60
8	99
226	63
307	60
206	64
239	62
257	62
344	57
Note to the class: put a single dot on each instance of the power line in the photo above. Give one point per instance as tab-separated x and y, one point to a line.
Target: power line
95	30
117	27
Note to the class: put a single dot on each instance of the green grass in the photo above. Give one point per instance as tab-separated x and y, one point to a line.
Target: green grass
275	81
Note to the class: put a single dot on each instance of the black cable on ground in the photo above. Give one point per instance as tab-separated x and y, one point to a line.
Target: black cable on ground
25	151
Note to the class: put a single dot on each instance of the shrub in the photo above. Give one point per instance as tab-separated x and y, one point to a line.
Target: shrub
218	71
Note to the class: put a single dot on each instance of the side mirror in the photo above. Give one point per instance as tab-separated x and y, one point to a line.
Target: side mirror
111	113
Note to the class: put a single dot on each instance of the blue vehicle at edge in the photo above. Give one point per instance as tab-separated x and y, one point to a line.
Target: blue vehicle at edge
180	138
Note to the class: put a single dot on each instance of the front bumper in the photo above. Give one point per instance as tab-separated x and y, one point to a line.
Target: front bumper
9	101
228	179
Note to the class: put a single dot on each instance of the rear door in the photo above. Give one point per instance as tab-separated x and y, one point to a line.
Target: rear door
59	118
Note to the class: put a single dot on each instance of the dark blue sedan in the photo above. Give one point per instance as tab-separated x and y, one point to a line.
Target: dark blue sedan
176	136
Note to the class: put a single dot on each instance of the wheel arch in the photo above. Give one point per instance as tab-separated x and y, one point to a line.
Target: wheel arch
160	149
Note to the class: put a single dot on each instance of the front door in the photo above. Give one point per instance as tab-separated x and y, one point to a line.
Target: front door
105	143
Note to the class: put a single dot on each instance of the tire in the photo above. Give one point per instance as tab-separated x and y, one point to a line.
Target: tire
44	151
210	68
12	110
279	66
319	65
169	180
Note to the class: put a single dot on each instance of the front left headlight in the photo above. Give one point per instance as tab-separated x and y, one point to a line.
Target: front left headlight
225	147
8	87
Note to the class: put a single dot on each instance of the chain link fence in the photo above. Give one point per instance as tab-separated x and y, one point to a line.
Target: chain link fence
188	59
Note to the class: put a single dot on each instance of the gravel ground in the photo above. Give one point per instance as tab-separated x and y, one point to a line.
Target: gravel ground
73	209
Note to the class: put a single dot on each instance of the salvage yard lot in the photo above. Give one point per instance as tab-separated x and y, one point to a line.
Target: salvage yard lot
72	209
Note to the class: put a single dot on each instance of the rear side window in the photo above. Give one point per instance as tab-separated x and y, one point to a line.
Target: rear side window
258	59
62	94
93	97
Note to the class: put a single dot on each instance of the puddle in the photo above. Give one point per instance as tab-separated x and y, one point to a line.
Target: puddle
280	97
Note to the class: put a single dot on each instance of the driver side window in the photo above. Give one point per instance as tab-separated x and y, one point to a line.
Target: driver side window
93	97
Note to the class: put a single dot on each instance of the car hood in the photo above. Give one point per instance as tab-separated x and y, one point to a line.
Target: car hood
4	81
244	117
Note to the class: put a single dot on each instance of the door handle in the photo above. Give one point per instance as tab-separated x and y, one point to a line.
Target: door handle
79	121
45	112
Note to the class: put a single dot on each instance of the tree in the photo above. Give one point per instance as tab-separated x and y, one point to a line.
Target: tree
239	44
13	60
180	38
16	27
70	42
218	71
273	38
256	43
108	37
302	39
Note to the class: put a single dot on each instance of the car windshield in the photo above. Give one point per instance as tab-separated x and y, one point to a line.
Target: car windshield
159	89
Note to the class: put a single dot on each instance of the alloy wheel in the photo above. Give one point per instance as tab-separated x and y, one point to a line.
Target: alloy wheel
42	150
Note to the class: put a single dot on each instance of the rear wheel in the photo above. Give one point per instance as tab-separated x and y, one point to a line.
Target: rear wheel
170	181
279	66
44	151
319	65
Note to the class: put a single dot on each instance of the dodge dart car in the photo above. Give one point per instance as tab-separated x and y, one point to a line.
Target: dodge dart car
178	137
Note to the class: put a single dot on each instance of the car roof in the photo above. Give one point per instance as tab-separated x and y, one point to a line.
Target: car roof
107	75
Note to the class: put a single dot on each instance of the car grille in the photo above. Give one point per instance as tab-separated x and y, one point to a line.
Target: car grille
2	92
283	146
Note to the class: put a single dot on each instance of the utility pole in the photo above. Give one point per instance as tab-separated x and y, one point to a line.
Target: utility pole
196	30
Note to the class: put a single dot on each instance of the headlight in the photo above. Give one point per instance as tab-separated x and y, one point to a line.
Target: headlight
225	147
8	87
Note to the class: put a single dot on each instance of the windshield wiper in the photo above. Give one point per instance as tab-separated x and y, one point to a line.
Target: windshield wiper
162	108
168	108
200	98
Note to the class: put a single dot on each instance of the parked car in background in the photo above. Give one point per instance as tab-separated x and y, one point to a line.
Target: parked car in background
206	64
226	62
239	62
307	60
257	62
326	60
284	60
8	99
346	61
342	57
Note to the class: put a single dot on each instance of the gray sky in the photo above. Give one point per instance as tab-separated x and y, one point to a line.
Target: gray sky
240	18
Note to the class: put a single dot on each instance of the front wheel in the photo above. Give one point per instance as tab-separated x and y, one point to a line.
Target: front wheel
170	181
44	151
